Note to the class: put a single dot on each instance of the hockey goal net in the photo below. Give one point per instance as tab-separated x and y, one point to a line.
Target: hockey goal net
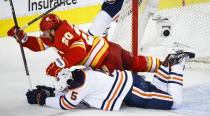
165	26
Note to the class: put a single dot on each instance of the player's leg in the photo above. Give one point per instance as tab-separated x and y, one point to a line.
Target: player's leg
100	23
139	63
162	75
113	59
175	83
104	18
121	59
161	78
144	94
169	77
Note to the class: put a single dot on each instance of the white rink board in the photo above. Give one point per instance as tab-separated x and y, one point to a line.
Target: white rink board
30	7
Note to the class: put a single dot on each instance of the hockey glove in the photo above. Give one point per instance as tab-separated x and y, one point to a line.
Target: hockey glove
48	90
55	67
36	97
13	33
53	70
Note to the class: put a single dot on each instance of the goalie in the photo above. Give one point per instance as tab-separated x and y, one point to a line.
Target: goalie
107	91
76	47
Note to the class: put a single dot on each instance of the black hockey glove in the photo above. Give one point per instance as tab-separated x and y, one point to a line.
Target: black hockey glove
48	90
36	97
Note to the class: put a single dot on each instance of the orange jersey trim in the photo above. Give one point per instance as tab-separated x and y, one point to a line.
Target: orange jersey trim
178	79
65	103
151	94
118	86
163	75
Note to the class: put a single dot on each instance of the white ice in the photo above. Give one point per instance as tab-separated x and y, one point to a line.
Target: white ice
14	85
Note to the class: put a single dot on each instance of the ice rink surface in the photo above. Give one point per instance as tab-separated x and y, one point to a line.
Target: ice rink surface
14	85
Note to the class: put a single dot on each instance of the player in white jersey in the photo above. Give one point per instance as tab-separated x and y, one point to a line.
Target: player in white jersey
107	91
110	12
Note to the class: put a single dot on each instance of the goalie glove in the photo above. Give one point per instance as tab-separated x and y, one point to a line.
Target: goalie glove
13	33
36	97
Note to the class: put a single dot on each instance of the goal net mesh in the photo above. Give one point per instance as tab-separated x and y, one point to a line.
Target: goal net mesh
165	26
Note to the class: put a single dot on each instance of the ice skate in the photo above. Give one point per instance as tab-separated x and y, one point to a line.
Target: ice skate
177	58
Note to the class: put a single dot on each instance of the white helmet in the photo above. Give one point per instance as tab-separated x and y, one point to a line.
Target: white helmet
62	79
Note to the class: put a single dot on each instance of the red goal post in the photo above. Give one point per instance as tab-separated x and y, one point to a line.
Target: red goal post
135	27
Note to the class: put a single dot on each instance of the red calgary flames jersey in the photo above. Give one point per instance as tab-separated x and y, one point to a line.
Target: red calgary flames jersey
73	45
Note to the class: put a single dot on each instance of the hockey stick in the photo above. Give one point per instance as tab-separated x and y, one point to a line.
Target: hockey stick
21	46
56	6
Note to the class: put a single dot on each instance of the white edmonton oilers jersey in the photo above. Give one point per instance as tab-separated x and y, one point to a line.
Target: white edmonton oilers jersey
98	90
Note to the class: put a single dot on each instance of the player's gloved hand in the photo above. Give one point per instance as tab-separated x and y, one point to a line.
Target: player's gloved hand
55	67
36	97
48	90
13	33
53	70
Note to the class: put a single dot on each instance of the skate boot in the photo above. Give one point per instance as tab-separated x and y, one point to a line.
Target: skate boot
177	58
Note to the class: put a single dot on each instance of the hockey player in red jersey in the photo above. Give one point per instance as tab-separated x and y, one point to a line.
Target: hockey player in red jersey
107	92
76	47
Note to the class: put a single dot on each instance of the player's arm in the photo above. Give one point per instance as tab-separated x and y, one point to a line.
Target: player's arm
75	51
46	96
31	42
66	102
34	44
73	56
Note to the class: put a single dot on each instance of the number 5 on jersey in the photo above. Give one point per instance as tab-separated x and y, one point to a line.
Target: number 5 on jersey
74	95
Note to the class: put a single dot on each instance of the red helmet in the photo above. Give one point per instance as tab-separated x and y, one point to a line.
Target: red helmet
49	21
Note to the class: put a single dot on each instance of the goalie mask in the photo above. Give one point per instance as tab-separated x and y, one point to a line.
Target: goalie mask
63	80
